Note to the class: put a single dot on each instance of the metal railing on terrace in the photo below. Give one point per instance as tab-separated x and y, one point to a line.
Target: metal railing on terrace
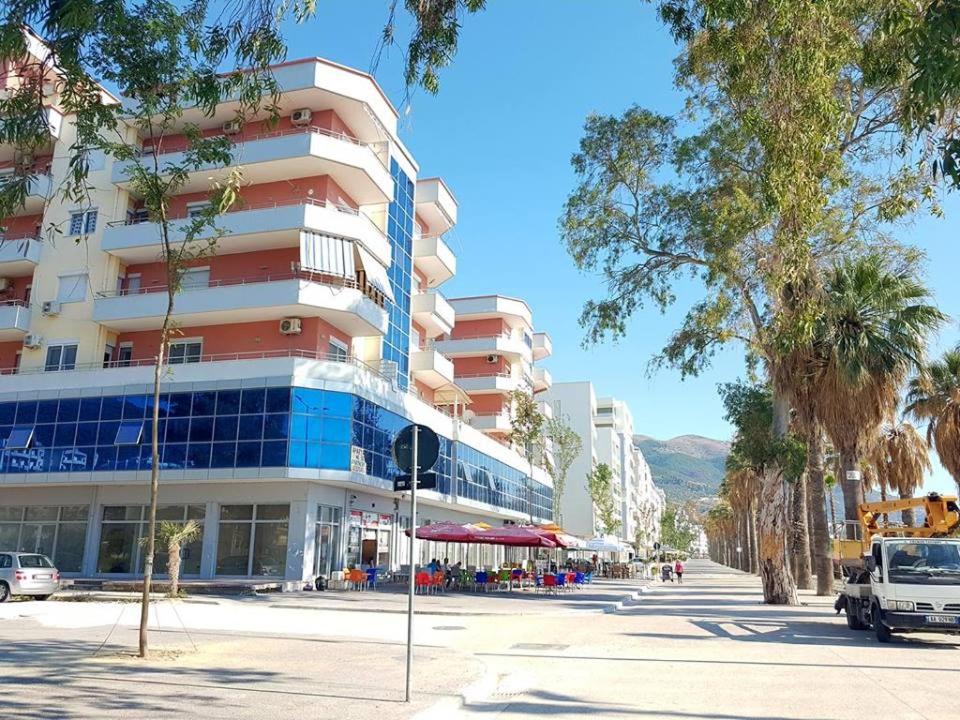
244	207
308	275
14	302
7	237
376	148
209	358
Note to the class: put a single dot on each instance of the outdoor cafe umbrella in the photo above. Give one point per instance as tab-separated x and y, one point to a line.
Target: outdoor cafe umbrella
447	532
509	536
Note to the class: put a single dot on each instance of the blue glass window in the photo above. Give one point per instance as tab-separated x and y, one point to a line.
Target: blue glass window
252	401
223	455
225	428
8	413
129	433
201	429
69	410
278	400
26	412
20	438
112	408
90	408
47	411
204	403
228	402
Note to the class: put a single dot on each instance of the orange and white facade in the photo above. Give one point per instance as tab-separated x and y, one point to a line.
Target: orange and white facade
495	352
311	334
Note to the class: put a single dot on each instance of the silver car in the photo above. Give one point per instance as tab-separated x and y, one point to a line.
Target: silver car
27	574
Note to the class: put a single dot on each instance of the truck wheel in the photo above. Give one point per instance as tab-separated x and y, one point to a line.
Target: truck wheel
882	631
853	616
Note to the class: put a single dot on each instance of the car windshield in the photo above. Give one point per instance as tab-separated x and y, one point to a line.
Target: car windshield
924	563
35	561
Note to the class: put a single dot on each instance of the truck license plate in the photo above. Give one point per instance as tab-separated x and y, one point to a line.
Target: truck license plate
942	619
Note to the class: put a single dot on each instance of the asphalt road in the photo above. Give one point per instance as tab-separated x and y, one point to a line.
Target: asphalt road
706	649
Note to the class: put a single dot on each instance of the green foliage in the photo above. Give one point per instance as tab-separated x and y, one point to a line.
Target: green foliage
566	445
681	474
600	489
675	532
526	423
749	408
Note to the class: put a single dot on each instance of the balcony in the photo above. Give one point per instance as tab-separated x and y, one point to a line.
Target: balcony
359	168
436	204
339	301
433	313
431	368
434	258
542	379
54	122
542	346
545	409
492	383
509	345
19	255
253	227
490	422
14	320
39	191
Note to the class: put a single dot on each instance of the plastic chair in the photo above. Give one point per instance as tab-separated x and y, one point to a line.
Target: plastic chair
493	579
421	582
480	580
438	581
550	583
588	577
372	577
538	583
560	580
579	579
571	579
516	576
505	579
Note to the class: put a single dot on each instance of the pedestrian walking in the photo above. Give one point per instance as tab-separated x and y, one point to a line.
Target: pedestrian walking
678	569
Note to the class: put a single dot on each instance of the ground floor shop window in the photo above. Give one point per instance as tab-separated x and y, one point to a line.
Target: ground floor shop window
328	540
253	540
57	531
368	539
124	526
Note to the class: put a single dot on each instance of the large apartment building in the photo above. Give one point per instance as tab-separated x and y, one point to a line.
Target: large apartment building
304	344
605	427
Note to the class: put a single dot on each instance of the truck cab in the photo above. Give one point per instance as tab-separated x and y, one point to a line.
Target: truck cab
907	584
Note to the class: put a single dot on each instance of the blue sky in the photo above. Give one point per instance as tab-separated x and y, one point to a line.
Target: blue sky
501	132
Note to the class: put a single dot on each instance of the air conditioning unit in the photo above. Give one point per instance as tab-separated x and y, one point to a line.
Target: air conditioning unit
301	116
31	341
290	326
232	127
493	359
50	307
4	284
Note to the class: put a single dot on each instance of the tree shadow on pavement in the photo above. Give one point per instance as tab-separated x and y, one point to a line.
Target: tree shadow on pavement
539	702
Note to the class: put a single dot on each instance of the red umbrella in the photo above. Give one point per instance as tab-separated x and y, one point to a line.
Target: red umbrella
446	532
515	537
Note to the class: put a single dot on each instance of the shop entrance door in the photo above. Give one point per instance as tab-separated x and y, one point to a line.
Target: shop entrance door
368	548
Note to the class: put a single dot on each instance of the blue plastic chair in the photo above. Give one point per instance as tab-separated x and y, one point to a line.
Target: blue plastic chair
372	577
561	581
588	577
480	580
579	579
538	582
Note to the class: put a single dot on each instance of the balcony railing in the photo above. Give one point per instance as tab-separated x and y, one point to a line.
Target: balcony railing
377	148
307	275
216	357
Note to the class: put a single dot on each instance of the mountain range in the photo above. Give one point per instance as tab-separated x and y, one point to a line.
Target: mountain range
687	467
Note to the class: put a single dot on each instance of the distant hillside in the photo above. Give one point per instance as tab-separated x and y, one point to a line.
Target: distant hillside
688	467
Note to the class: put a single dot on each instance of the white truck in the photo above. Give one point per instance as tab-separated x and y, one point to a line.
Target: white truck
909	577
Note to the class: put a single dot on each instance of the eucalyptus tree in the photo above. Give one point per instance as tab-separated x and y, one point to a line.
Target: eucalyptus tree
933	397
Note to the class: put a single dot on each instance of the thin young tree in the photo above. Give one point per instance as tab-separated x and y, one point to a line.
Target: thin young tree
526	429
567	446
600	490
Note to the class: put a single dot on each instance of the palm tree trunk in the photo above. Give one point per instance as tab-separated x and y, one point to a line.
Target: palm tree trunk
819	535
173	567
852	491
833	512
907	516
778	585
801	534
754	540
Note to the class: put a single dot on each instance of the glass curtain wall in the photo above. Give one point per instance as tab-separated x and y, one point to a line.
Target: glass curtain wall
253	540
59	532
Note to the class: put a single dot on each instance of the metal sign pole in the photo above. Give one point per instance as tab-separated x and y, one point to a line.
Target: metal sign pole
413	563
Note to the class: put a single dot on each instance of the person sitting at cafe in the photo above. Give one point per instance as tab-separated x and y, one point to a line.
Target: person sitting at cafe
453	573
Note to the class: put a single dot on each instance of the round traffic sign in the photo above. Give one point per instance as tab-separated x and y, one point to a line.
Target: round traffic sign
428	449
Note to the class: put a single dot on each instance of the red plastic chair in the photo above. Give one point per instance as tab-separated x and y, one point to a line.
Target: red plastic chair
421	582
550	583
438	582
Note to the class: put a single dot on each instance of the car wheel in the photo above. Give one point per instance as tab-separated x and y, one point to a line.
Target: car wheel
4	592
853	618
41	597
882	631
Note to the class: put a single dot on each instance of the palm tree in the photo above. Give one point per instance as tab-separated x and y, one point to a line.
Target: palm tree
934	397
902	461
742	490
871	335
175	535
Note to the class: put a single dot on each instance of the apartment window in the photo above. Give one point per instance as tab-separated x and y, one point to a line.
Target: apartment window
73	288
253	540
197	209
83	221
125	355
19	438
108	352
133	283
185	351
195	278
135	217
339	352
61	357
129	433
27	292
